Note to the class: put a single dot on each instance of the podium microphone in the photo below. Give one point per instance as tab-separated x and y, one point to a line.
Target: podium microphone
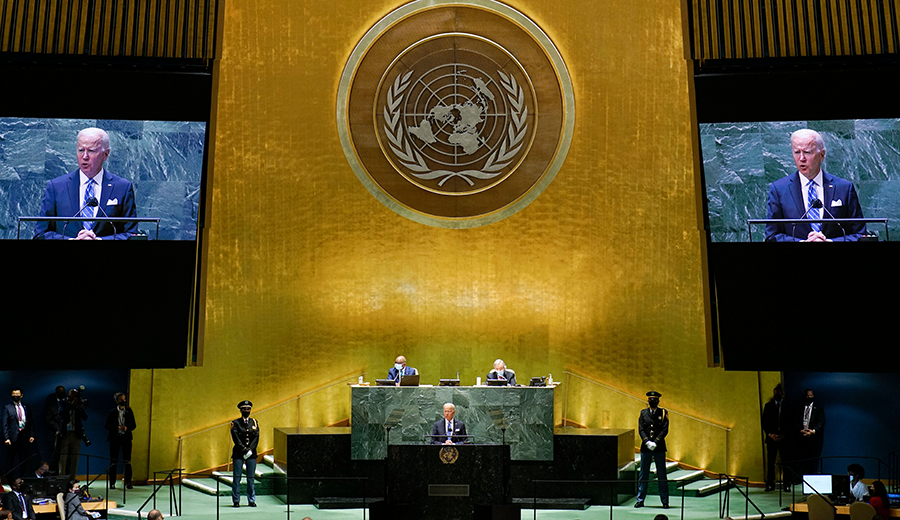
818	204
92	203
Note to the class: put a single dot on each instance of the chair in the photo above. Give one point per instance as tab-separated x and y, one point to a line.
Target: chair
820	508
61	506
861	511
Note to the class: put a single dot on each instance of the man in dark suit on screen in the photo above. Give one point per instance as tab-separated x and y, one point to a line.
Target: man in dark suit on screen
448	430
811	192
89	191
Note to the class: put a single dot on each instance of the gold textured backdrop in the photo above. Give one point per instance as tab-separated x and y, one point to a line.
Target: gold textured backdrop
310	278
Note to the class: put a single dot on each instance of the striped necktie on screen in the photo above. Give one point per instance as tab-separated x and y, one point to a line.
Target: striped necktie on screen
813	212
87	212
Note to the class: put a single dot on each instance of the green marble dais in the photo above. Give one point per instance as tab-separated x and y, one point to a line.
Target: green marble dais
527	412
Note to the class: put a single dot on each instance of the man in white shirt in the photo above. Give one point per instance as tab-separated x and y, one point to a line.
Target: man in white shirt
448	430
812	193
88	192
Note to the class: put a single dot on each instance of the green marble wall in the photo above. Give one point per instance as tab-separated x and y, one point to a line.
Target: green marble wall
740	160
528	412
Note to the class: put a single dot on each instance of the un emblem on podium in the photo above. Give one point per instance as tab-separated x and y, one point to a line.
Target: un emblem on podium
449	454
455	114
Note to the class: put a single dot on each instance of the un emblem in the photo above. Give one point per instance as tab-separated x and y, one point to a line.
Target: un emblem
455	114
449	454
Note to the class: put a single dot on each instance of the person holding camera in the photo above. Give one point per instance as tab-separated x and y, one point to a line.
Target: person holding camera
71	432
245	435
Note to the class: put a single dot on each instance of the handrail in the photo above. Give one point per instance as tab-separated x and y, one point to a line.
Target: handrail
643	400
159	486
732	480
569	372
334	382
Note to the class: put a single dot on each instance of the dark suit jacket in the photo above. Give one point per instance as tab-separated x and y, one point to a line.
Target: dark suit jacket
112	425
509	376
786	200
775	423
244	437
74	509
407	371
459	428
61	200
816	418
653	427
12	503
10	423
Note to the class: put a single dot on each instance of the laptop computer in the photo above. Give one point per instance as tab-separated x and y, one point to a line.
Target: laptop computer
412	380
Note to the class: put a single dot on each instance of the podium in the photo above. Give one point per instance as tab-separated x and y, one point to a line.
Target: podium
445	482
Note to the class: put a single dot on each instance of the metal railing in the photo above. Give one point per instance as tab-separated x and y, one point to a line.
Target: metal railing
643	400
732	481
221	443
174	508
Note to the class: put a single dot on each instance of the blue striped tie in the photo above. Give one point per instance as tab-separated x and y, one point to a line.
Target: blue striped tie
813	212
87	212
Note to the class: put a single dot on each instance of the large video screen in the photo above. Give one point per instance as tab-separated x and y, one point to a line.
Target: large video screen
162	161
741	160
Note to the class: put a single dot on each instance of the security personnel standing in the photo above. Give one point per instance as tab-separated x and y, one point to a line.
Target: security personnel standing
653	426
245	435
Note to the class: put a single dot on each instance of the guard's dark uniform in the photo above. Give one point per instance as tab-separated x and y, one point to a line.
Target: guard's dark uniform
245	435
653	426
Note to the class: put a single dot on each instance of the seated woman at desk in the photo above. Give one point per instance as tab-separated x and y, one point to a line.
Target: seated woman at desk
73	508
878	498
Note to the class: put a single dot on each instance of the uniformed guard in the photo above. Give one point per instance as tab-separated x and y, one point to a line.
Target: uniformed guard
653	426
245	435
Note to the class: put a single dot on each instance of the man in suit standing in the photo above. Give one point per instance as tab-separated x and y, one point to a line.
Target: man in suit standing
245	435
502	373
18	432
400	369
776	425
120	423
798	196
52	405
653	426
810	435
18	502
448	430
89	191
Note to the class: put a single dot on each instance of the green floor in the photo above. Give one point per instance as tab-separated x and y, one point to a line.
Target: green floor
197	506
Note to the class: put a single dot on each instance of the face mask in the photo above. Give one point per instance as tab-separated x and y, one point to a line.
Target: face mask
122	404
808	400
398	366
654	403
16	398
245	413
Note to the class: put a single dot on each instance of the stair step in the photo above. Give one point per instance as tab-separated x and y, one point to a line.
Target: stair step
704	487
207	486
574	504
344	502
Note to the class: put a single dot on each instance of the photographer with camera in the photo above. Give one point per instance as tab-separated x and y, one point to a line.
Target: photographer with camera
71	432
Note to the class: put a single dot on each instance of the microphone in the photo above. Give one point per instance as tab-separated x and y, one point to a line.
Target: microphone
814	204
90	203
818	204
95	203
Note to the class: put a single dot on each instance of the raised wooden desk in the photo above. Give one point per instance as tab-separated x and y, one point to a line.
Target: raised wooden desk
88	506
839	510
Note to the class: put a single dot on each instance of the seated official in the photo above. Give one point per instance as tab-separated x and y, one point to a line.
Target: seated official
502	373
400	369
448	430
72	501
18	503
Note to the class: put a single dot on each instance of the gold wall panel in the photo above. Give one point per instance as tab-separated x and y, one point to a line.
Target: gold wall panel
310	277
